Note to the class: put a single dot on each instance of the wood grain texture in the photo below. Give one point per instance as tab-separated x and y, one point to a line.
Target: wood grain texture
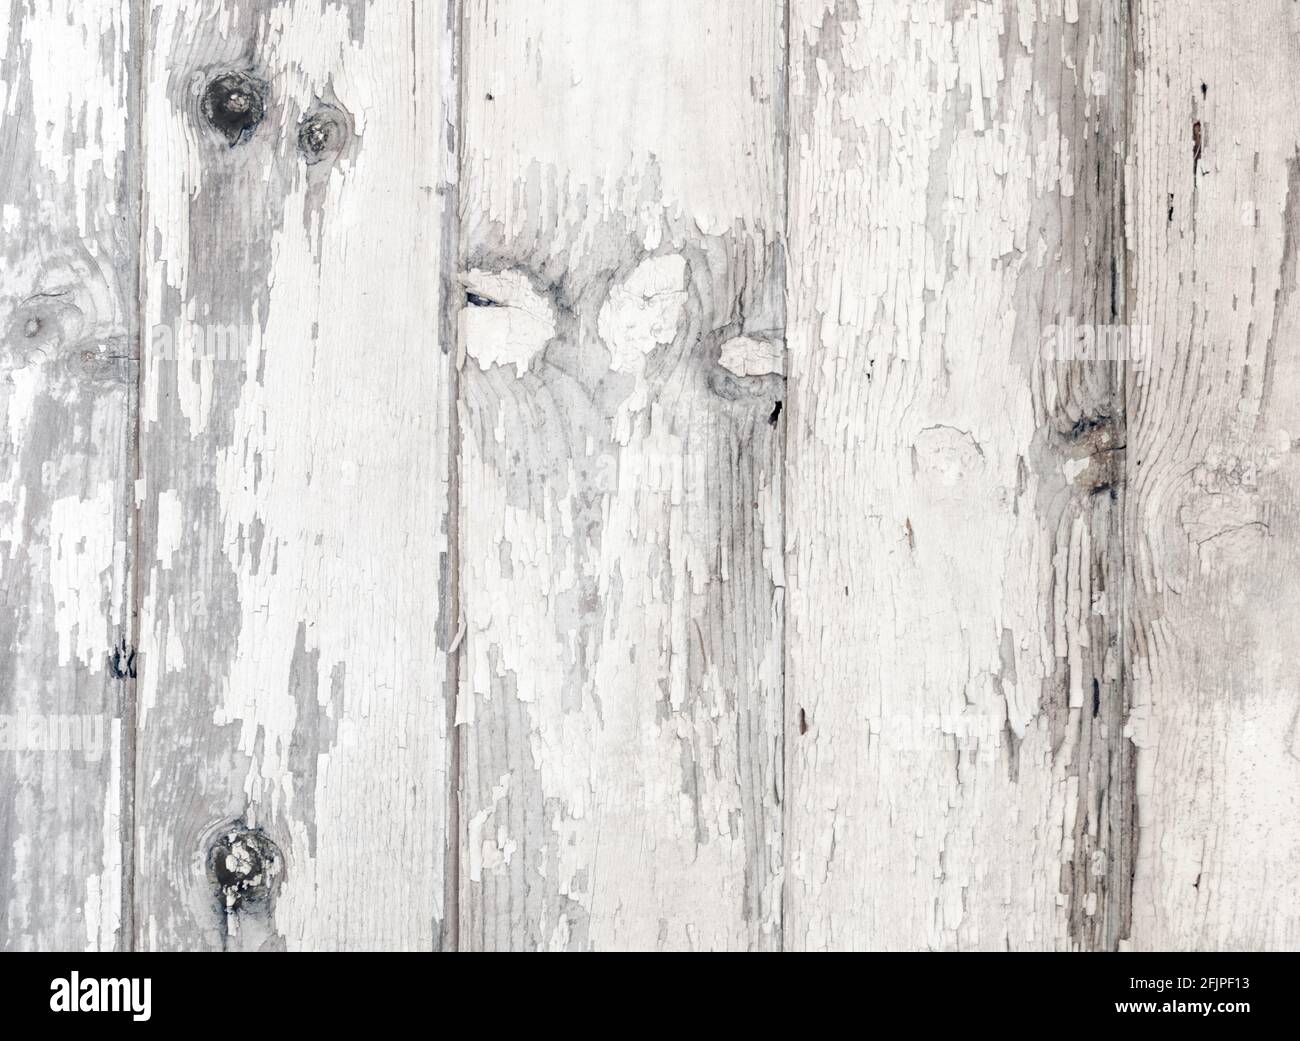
956	762
442	397
1214	475
66	311
620	701
292	775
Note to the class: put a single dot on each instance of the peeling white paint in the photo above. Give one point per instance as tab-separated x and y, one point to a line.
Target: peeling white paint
103	909
493	852
82	545
293	602
924	747
931	779
513	323
747	356
60	38
169	531
65	457
642	313
618	585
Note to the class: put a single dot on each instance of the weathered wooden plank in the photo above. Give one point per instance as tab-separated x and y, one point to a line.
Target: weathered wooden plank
1214	472
66	280
619	708
977	511
295	446
958	776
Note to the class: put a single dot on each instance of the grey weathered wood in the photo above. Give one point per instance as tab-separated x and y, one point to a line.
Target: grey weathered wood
66	292
452	506
292	776
958	774
1213	420
620	696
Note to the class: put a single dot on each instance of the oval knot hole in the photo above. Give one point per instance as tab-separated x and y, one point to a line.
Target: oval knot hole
322	134
234	104
244	865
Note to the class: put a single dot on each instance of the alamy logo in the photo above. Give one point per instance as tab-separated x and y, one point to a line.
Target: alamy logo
35	732
191	341
1086	342
100	995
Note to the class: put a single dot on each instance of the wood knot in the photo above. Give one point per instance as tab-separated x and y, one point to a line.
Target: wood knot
750	372
1095	432
506	320
42	330
244	866
322	134
1094	448
234	104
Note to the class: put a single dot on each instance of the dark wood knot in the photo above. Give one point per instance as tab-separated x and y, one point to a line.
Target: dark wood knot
322	134
234	104
244	865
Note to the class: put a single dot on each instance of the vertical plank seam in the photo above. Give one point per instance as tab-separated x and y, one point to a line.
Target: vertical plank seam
785	147
456	612
135	167
1128	849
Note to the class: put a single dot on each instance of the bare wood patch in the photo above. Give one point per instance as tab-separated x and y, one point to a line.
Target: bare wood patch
1214	471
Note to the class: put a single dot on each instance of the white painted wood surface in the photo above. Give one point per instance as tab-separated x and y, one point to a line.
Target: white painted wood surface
616	474
620	694
953	717
294	496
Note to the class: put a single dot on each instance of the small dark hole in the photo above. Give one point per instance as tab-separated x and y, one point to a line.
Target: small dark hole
475	300
775	417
